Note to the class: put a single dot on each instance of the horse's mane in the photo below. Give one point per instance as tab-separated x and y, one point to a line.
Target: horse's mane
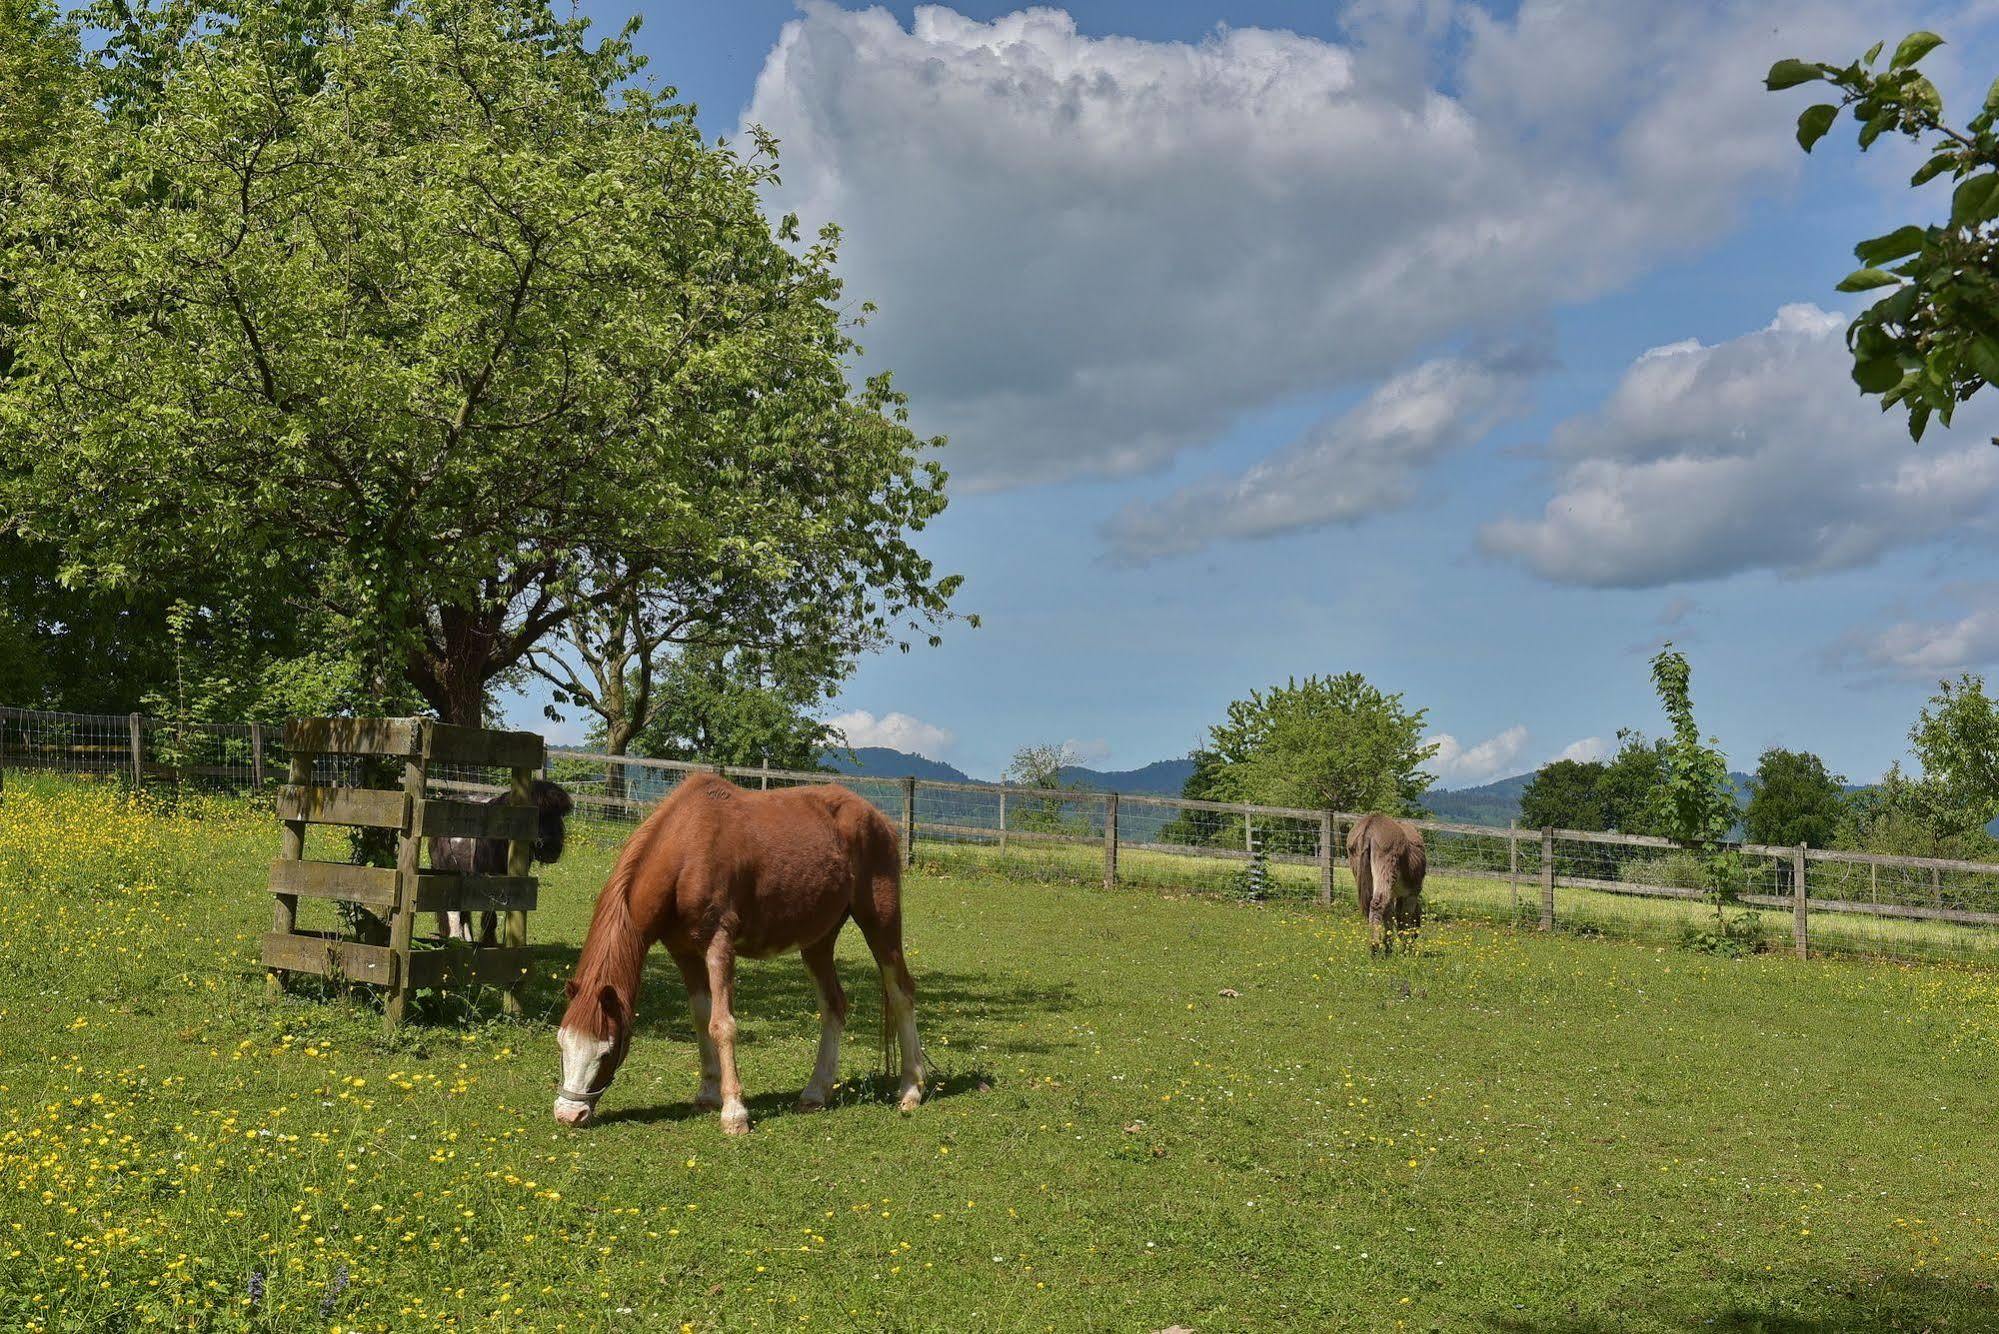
614	951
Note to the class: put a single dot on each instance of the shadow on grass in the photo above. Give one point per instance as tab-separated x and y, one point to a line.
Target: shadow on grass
871	1091
1807	1303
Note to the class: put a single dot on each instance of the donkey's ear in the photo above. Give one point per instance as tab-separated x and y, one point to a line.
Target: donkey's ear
573	987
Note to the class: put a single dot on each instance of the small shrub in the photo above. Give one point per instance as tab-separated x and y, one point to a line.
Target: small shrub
1728	935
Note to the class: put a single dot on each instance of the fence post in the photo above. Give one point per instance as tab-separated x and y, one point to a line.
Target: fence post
1110	840
1002	822
1800	936
1326	824
763	779
138	750
257	757
1548	878
1248	832
909	820
1513	865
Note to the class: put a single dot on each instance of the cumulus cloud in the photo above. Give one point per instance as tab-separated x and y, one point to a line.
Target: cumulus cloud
897	731
1583	751
1461	765
1928	649
1091	253
1345	468
1755	453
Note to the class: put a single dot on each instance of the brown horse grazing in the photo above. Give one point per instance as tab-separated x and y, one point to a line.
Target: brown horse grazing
1388	863
715	873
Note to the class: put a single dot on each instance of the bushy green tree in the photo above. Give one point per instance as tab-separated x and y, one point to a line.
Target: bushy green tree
1933	341
1567	794
1325	742
1794	800
430	316
740	707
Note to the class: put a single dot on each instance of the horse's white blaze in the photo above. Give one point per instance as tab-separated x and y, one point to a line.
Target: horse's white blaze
582	1059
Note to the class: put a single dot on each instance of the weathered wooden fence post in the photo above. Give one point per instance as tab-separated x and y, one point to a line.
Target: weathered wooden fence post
1002	822
763	779
1513	866
909	820
1327	826
1548	879
135	725
291	848
520	862
257	757
1110	840
1248	832
1800	934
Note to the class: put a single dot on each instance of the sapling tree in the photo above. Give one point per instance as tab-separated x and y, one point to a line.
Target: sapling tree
1695	800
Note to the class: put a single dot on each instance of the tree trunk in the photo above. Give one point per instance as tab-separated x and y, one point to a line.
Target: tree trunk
617	736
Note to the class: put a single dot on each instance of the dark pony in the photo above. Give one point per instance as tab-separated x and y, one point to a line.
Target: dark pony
488	856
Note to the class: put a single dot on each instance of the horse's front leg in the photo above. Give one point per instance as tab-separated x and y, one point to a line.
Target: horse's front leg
722	1027
694	972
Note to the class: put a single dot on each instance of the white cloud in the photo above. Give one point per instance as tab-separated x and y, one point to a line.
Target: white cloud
1345	468
1929	649
1756	453
897	731
1092	752
1459	765
1094	252
1583	751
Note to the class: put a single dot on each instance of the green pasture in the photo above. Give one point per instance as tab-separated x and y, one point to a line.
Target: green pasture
1153	1109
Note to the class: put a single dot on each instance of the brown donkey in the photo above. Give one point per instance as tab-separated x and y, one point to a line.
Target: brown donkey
1388	863
715	873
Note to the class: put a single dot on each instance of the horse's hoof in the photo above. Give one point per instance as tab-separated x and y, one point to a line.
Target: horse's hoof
740	1126
811	1104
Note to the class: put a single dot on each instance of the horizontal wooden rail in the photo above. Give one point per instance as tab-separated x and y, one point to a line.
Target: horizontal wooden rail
328	956
454	966
363	807
446	817
369	886
351	736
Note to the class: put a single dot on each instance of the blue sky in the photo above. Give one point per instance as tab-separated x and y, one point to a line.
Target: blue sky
1277	339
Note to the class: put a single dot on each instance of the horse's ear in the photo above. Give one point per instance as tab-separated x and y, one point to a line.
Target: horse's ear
614	1004
573	987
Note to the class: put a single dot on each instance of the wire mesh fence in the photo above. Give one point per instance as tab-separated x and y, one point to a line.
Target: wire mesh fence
1808	900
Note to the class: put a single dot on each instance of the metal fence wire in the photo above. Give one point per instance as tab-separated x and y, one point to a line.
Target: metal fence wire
1800	899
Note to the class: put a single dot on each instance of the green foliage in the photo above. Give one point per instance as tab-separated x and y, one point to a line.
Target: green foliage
1794	800
1041	766
1694	803
1943	811
1567	794
1332	742
1729	935
740	707
1933	341
428	316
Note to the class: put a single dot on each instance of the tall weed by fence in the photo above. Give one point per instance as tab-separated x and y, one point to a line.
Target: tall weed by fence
1801	899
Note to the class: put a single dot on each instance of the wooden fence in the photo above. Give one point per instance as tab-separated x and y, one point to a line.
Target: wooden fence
1809	898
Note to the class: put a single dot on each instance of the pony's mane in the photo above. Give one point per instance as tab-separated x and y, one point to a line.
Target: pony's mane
614	951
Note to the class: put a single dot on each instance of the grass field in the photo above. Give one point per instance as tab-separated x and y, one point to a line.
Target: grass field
1500	1131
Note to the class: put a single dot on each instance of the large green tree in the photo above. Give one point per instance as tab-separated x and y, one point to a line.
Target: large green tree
1933	341
1325	742
1566	794
1794	799
428	318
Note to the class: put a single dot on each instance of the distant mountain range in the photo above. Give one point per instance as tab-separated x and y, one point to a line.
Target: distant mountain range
1497	802
883	762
